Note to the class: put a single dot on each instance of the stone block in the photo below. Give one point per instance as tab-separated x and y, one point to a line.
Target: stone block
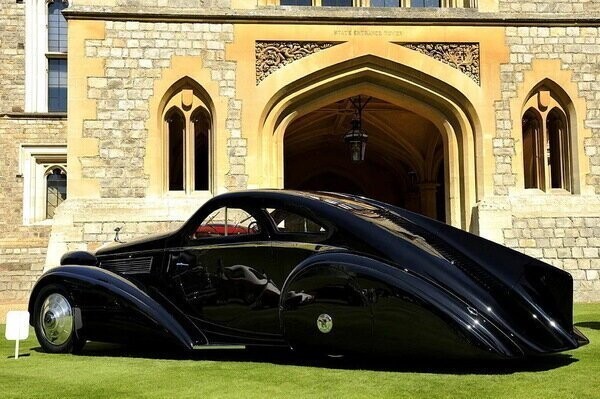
578	274
550	253
564	253
590	253
592	275
527	243
584	264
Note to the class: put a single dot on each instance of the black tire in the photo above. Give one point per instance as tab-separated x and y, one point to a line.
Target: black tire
54	332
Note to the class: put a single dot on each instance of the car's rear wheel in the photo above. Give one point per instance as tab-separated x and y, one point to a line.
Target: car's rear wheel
54	321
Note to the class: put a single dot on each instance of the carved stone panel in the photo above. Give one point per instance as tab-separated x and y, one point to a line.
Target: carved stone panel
462	56
272	55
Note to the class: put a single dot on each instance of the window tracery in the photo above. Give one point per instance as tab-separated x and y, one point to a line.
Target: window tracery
187	134
546	138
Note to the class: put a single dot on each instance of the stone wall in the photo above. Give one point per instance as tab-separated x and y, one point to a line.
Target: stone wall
560	229
22	248
570	243
578	49
136	54
87	224
213	4
549	6
12	57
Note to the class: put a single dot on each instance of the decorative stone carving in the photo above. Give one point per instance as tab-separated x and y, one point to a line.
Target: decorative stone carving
272	55
462	56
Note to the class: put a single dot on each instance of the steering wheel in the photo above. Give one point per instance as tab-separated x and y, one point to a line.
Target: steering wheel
253	227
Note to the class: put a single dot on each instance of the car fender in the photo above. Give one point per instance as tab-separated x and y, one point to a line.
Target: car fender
392	292
81	280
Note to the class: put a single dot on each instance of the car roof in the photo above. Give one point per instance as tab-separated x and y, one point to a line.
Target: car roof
311	199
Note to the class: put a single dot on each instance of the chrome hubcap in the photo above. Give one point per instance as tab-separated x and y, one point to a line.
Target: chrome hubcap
56	319
324	323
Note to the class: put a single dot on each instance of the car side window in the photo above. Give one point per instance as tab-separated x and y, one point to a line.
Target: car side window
290	222
224	222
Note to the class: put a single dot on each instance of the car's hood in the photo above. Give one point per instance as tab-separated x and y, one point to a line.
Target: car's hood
150	242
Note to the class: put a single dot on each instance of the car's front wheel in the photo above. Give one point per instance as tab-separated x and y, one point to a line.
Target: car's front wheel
54	321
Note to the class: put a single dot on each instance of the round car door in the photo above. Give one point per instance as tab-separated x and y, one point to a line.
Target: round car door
221	275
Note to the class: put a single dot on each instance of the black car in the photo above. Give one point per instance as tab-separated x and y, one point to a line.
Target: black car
324	272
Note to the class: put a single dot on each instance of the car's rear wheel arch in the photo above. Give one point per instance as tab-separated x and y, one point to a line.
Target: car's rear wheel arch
323	308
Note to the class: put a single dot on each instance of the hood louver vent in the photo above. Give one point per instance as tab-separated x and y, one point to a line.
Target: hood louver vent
128	265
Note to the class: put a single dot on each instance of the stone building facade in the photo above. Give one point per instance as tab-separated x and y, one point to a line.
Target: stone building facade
484	114
23	247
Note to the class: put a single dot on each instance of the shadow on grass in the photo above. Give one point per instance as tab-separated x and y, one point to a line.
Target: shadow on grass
290	358
594	325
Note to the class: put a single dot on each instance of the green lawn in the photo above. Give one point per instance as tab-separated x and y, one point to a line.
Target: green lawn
110	372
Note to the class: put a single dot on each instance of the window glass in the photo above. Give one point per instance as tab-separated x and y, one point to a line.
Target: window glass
546	143
175	122
385	3
557	149
201	123
57	27
187	130
227	222
532	150
336	3
424	3
289	222
57	85
56	191
295	2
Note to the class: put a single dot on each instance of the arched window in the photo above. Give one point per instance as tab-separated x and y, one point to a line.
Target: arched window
546	150
187	132
56	190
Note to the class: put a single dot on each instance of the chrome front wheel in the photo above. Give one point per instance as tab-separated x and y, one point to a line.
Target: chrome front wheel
54	321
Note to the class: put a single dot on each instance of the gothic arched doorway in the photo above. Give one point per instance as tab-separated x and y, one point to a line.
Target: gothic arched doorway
403	163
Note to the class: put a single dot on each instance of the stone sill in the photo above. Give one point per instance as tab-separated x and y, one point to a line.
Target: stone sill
331	15
132	210
532	203
35	115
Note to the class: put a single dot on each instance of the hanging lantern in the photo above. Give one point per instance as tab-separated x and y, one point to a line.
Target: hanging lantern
356	138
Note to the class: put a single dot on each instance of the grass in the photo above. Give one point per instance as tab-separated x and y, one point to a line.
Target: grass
101	372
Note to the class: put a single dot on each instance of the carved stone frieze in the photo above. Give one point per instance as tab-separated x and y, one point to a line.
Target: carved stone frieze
462	56
272	55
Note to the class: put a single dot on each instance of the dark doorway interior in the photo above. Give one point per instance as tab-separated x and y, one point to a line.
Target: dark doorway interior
402	164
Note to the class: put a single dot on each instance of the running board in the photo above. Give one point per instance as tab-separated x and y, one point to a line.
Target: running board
209	347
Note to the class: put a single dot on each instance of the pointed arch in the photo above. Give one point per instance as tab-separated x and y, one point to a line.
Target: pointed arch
56	188
186	111
549	134
443	105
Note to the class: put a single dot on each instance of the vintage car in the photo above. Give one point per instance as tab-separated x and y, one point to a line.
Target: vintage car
321	272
